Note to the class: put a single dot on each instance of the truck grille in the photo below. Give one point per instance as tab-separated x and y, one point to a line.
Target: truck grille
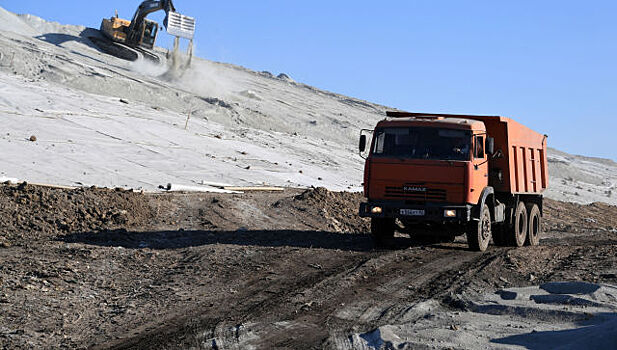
416	192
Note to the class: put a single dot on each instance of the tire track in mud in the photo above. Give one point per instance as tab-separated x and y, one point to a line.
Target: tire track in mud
309	309
208	325
382	287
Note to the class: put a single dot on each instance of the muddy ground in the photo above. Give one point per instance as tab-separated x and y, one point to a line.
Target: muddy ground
99	268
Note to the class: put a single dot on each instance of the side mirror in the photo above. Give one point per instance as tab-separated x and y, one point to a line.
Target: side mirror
490	145
362	145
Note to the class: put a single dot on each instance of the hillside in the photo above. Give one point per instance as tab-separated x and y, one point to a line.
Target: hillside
102	121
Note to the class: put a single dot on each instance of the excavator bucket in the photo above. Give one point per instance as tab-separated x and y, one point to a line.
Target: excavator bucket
180	25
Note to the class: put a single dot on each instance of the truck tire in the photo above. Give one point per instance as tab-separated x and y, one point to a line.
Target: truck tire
518	234
479	232
535	225
382	228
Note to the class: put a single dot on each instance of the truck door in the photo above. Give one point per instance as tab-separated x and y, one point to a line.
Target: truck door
479	171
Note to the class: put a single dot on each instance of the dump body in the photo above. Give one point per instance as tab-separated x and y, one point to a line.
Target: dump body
524	165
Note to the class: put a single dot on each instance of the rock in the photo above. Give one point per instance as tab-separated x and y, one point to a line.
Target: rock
32	138
251	94
316	266
267	74
285	77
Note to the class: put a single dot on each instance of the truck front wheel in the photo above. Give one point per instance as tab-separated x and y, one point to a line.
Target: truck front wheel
479	232
382	228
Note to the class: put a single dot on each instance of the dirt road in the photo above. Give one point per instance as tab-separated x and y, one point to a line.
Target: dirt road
96	268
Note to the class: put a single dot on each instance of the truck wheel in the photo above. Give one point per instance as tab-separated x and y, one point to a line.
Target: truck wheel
518	235
479	233
535	225
382	228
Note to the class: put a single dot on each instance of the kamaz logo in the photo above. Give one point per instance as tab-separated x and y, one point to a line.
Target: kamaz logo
414	189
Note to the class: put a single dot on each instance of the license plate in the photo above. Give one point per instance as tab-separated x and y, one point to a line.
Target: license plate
413	212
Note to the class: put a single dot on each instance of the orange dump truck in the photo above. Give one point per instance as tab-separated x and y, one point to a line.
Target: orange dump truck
446	175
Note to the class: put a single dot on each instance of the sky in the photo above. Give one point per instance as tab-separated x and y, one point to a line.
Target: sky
551	65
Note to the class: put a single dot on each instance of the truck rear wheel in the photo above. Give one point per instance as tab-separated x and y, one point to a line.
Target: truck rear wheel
382	228
518	235
479	233
535	225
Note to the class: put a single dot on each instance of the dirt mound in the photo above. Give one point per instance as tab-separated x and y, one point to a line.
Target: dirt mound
573	217
31	212
338	209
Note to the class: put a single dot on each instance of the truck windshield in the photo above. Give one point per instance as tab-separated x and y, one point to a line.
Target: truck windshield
422	143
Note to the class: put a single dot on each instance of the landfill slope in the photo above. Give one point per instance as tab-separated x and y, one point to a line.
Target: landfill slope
102	121
110	122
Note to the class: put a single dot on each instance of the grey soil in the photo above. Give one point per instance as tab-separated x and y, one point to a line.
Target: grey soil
98	268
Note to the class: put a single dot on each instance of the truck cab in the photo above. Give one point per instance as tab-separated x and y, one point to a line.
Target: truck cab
437	174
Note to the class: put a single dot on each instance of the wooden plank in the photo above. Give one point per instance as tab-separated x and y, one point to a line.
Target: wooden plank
215	184
265	189
41	184
54	186
207	189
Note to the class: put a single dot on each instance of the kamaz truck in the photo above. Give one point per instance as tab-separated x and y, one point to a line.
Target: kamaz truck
444	175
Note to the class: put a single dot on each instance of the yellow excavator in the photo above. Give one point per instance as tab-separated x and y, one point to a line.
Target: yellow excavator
133	39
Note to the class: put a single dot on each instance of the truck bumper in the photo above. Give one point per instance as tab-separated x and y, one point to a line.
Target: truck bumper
429	212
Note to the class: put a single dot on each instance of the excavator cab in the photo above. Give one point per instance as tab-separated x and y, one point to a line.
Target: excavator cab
148	38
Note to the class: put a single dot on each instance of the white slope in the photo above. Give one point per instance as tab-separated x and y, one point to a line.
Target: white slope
582	179
245	127
11	23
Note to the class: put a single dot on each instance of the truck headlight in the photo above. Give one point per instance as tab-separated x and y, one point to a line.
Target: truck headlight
449	213
376	210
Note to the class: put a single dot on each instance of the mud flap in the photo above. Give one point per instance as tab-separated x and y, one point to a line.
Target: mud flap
500	213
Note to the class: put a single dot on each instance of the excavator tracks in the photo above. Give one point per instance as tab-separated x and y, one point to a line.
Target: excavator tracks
122	51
